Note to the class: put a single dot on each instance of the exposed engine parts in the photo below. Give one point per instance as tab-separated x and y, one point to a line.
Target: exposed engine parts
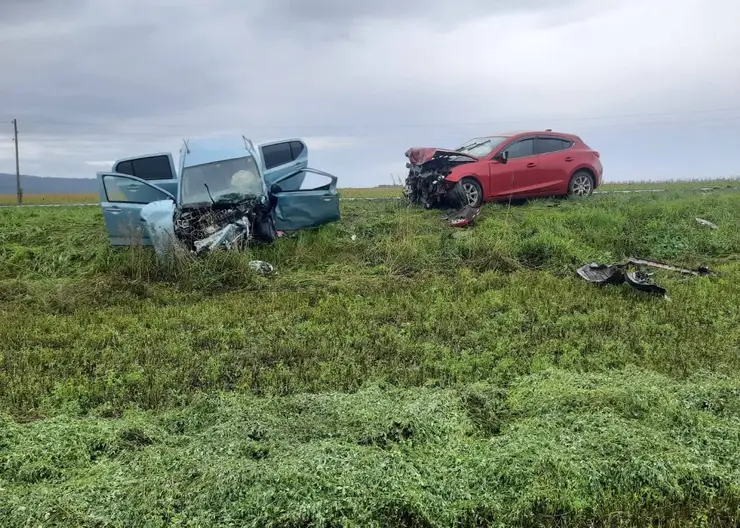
426	182
232	225
425	188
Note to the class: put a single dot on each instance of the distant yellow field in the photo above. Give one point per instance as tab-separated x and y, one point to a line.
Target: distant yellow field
371	192
50	198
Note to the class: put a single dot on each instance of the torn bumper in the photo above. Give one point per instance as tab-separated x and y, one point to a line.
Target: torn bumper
426	183
232	236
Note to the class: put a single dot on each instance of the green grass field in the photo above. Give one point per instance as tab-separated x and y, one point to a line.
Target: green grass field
404	378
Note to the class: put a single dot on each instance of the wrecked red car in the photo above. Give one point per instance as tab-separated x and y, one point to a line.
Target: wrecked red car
502	167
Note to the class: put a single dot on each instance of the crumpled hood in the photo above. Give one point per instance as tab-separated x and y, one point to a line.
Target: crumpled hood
422	155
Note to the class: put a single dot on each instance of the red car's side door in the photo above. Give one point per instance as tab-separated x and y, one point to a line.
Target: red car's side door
519	173
556	161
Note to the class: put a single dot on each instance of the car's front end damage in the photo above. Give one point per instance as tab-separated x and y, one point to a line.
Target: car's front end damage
427	183
223	204
230	223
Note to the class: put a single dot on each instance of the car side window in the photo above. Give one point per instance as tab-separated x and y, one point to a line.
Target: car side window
521	149
149	168
119	189
125	167
311	182
547	145
276	155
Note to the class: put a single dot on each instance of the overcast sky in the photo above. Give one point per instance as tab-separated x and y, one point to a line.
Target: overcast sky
654	85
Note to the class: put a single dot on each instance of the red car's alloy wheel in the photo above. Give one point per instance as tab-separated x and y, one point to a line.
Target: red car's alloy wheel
581	184
472	192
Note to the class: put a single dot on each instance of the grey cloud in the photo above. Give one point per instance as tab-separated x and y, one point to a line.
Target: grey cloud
342	11
14	11
109	74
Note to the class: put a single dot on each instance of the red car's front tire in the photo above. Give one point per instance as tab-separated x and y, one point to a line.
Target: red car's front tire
469	192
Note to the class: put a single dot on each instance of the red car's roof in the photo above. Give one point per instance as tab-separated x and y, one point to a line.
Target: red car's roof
523	132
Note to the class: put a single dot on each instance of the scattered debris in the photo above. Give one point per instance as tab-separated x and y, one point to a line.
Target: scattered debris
354	237
638	279
464	216
601	273
642	281
261	267
701	270
707	223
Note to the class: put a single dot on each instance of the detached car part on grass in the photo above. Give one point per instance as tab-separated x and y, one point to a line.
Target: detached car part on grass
506	166
629	272
221	199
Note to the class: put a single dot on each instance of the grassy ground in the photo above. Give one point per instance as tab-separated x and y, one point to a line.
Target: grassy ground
403	378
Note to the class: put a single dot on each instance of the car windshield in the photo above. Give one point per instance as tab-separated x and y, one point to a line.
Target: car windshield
481	147
227	180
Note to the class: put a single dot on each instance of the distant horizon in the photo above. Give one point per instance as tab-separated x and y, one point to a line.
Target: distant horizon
7	183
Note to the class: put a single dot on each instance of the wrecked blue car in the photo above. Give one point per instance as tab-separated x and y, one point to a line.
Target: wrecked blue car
226	193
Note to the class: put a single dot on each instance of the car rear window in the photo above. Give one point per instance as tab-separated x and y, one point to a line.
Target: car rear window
153	168
547	145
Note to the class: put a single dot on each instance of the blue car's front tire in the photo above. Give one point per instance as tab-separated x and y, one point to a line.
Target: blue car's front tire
264	229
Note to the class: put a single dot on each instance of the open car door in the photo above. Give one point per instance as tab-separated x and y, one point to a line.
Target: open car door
122	198
284	158
313	203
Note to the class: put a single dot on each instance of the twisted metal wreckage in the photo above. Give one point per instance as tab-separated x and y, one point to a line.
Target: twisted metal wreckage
426	183
630	272
226	195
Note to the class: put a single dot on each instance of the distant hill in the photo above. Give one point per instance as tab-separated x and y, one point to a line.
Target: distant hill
45	185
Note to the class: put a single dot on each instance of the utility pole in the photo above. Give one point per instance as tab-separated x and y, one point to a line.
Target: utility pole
18	189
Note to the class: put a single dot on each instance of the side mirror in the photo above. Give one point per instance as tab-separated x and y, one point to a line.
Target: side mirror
502	157
275	189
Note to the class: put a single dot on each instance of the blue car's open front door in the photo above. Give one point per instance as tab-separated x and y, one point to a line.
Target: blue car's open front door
122	198
313	202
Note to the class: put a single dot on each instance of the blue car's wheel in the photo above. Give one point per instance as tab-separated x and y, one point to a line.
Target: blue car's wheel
264	229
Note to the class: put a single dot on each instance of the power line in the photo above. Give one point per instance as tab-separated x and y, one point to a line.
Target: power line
112	135
181	126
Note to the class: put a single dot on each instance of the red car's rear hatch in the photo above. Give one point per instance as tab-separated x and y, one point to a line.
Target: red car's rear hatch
423	155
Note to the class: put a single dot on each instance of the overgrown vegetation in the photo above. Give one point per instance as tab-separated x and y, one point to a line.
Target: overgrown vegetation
403	378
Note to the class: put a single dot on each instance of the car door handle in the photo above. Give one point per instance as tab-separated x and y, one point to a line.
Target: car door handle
115	209
531	165
569	158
